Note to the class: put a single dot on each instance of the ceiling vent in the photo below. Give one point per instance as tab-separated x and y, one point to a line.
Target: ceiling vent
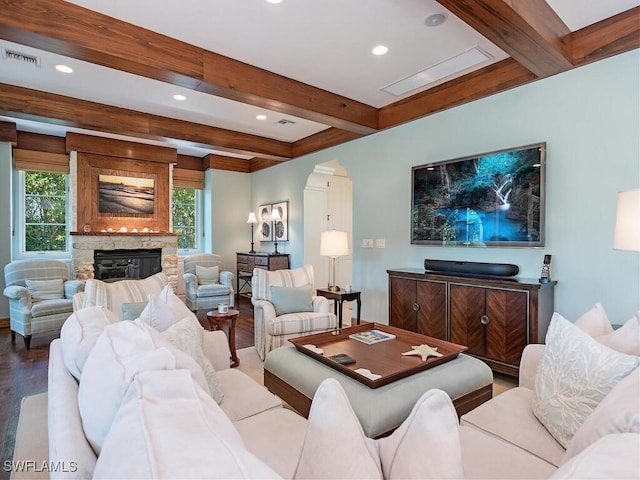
20	57
449	67
285	123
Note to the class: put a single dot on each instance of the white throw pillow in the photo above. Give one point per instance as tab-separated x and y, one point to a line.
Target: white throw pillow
613	456
45	289
122	351
574	375
168	428
160	314
618	412
207	275
426	445
79	334
625	339
595	322
188	335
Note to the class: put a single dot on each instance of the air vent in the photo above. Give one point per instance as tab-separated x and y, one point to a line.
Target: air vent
284	122
21	57
453	66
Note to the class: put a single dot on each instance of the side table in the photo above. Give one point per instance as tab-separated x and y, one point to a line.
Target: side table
219	318
338	298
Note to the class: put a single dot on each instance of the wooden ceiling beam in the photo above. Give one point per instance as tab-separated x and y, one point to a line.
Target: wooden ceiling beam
67	29
8	132
50	108
614	35
529	31
494	78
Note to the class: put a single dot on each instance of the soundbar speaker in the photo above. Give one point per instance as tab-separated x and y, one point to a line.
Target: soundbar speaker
474	268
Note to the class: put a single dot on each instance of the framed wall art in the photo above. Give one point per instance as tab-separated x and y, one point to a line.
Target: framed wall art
281	227
270	230
265	227
121	193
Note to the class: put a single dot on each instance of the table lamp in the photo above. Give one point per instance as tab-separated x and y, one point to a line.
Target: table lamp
334	244
627	231
275	218
252	220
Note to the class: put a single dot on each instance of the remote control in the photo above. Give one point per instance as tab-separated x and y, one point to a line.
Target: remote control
343	359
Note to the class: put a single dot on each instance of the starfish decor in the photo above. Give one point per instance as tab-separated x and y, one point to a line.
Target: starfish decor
424	351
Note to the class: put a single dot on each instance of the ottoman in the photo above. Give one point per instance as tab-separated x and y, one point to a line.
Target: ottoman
294	377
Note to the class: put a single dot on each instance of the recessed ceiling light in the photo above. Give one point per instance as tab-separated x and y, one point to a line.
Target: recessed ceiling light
261	117
379	50
64	68
435	19
274	2
179	97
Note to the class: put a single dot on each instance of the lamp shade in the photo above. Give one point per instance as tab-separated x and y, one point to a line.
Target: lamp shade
334	244
275	215
252	218
627	232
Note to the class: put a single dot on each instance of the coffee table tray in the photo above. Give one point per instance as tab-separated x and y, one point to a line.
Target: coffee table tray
383	358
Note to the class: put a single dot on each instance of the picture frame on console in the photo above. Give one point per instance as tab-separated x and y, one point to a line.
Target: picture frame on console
487	200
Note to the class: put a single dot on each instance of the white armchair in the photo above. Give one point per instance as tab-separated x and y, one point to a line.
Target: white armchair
40	296
206	283
285	306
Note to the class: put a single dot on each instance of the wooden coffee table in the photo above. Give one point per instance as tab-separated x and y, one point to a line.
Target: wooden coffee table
219	318
294	372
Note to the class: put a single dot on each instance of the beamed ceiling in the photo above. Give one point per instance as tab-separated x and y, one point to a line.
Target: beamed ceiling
536	43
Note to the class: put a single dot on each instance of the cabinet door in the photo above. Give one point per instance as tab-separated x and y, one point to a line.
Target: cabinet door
466	305
402	296
507	328
431	298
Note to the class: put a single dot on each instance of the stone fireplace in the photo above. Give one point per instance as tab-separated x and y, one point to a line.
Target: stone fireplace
84	246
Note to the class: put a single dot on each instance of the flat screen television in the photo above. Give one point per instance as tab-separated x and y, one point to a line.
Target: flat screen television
492	199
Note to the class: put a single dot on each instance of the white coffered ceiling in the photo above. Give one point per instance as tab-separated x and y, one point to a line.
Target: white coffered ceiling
323	43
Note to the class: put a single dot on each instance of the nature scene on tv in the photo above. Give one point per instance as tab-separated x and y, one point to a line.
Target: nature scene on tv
125	195
493	199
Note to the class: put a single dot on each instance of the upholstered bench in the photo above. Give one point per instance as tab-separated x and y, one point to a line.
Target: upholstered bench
294	377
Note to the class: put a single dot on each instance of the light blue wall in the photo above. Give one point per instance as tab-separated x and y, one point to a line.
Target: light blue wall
227	205
5	218
589	118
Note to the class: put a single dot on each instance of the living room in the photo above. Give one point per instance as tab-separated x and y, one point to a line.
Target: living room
589	118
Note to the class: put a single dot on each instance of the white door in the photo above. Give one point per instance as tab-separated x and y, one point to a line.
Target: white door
328	204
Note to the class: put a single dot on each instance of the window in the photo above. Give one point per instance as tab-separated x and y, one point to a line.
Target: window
42	213
186	212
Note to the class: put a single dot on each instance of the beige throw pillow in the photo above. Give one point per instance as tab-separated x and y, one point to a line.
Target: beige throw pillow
207	275
575	374
45	289
426	445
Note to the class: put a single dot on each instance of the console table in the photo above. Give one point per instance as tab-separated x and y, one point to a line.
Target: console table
246	262
496	317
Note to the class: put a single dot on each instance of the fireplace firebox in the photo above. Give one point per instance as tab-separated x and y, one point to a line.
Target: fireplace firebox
123	264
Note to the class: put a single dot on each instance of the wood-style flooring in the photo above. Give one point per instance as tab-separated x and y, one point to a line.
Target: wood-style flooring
24	373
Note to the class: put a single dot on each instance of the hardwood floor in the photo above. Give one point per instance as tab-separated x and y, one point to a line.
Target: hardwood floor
24	373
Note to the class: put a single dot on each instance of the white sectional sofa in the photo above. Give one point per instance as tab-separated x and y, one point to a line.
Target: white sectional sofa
166	426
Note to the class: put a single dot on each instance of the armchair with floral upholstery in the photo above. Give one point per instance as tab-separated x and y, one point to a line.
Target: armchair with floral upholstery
40	294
